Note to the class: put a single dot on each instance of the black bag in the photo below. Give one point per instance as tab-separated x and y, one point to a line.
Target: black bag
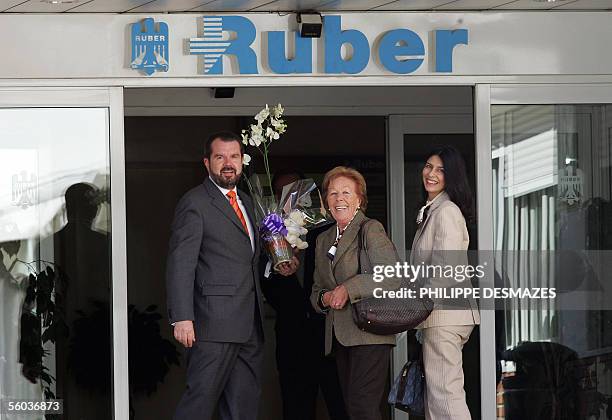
386	316
408	390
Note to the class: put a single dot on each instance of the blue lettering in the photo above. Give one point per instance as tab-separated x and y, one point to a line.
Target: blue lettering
400	51
402	43
213	47
277	59
445	43
335	37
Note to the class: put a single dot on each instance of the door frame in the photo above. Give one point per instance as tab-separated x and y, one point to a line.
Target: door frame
56	94
487	95
456	122
484	212
112	99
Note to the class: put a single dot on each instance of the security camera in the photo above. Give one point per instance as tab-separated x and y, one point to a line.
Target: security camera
310	25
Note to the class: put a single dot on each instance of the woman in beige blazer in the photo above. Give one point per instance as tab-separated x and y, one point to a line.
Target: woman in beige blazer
362	358
442	239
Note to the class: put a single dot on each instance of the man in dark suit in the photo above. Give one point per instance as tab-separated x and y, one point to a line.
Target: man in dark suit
214	298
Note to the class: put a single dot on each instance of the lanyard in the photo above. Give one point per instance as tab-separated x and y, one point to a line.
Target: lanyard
331	253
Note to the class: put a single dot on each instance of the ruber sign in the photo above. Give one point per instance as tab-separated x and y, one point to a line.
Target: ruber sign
399	51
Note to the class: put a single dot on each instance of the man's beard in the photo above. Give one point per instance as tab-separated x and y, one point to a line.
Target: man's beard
224	182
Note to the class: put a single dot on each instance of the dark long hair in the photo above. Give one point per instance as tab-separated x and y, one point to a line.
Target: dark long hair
455	177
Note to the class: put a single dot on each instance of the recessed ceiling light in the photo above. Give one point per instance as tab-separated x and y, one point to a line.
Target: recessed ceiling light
547	1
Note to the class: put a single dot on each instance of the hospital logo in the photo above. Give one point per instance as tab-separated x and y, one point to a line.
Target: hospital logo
149	46
213	45
571	189
25	190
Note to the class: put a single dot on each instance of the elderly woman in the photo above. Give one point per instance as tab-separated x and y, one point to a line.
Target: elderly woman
362	358
442	239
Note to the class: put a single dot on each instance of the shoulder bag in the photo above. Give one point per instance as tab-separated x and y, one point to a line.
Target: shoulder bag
386	316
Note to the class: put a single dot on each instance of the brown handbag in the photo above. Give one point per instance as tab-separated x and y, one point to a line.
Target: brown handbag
386	316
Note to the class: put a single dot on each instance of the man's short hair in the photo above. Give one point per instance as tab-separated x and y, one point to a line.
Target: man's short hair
226	136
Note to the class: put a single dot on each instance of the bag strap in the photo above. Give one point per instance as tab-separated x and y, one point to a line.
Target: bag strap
419	358
403	381
363	247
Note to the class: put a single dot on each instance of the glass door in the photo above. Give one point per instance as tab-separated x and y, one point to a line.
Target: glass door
411	137
550	155
59	246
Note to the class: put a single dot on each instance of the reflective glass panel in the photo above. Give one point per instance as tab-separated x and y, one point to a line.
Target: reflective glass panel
552	206
55	284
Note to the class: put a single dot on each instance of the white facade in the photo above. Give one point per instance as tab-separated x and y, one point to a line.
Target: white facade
510	58
501	47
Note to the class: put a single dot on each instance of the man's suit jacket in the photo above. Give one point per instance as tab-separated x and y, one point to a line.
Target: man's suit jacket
345	270
442	239
212	270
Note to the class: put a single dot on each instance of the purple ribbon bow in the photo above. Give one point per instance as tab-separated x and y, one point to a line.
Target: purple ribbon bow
272	224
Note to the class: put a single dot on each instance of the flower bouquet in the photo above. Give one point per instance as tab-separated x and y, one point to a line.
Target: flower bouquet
281	223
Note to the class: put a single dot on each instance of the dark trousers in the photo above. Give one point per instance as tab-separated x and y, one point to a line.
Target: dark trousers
363	372
300	389
303	369
227	374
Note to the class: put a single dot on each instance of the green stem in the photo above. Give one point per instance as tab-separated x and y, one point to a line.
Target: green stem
267	166
262	153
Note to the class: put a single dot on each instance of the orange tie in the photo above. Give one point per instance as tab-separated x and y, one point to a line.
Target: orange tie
234	204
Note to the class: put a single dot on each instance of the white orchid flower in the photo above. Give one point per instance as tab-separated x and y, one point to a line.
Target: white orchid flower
295	230
294	223
271	134
262	115
296	242
256	129
245	137
277	124
296	217
256	140
246	159
278	110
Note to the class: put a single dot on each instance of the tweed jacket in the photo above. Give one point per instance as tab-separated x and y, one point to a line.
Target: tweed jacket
442	239
344	270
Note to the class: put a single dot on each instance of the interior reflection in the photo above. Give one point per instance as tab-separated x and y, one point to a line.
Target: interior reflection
551	196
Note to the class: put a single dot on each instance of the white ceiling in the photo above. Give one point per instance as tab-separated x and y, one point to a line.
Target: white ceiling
182	6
